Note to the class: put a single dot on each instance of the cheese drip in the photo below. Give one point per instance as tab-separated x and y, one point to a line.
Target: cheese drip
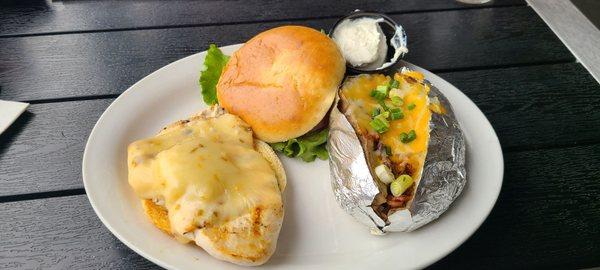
206	171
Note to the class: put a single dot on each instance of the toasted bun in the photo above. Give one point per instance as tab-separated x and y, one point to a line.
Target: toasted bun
267	152
234	241
282	82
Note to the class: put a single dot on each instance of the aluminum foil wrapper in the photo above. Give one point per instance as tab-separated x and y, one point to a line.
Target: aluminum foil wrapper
443	177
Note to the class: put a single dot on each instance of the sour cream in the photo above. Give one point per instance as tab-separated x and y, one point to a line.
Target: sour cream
362	42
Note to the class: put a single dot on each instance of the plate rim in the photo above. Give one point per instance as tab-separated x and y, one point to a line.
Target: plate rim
495	144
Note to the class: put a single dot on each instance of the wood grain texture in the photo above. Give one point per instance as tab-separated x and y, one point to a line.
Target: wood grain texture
538	106
529	107
546	217
76	65
60	233
34	17
42	150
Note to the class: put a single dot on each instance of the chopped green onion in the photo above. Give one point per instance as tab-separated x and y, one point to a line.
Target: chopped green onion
394	83
383	89
383	105
384	174
405	178
411	106
403	136
401	184
380	124
412	135
408	137
378	95
397	101
396	113
389	104
388	150
376	112
385	115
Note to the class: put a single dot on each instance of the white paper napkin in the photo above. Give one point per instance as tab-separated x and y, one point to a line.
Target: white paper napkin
9	112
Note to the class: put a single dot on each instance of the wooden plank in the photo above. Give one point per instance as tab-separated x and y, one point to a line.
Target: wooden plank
538	106
63	66
68	16
42	150
546	217
529	107
61	233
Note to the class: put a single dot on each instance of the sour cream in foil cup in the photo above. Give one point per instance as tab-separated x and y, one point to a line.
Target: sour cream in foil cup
352	35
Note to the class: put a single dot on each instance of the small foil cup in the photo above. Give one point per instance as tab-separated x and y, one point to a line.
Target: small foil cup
443	177
395	38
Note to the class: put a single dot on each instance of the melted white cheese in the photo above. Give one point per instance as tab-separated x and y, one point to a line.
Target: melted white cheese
207	172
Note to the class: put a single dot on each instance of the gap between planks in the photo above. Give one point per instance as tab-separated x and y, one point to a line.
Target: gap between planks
42	195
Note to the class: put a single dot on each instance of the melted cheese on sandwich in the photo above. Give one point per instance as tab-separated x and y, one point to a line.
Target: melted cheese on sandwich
206	171
357	92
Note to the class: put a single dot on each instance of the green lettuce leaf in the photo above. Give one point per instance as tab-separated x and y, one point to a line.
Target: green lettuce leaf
307	147
209	77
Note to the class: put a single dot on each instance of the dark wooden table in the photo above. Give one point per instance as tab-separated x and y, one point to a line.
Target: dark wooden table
71	59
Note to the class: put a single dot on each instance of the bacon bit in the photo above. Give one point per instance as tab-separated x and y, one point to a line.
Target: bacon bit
398	168
410	80
385	160
402	166
372	136
408	169
397	202
401	198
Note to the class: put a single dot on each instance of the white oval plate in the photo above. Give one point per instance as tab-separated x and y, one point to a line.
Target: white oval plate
316	233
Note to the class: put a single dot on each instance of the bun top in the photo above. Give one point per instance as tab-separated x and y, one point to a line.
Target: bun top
282	82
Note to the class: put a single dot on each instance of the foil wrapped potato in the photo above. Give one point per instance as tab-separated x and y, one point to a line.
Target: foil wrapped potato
397	153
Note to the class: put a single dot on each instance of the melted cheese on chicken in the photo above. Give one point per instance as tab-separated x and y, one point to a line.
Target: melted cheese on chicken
357	91
207	172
